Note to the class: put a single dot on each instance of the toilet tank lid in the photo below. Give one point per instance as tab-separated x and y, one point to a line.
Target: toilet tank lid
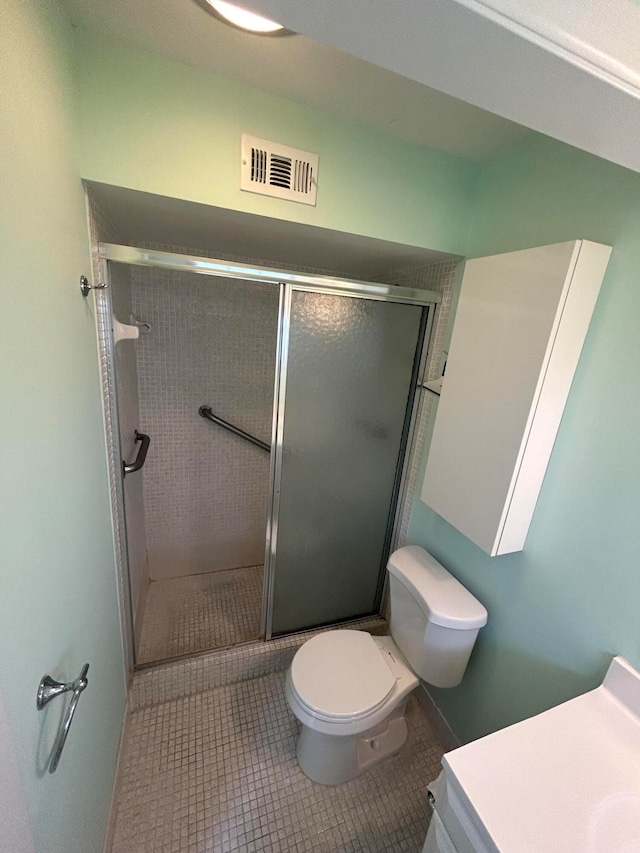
442	598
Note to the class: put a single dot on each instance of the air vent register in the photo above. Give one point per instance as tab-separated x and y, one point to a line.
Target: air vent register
276	170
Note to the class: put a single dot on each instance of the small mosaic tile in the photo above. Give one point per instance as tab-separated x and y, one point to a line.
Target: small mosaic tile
201	612
217	771
212	341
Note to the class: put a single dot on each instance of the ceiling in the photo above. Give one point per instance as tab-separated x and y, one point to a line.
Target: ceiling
570	70
605	35
146	218
302	70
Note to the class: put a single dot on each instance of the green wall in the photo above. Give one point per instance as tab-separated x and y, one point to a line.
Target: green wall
562	607
58	604
163	127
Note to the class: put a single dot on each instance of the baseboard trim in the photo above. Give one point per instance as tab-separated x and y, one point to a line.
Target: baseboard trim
440	725
113	811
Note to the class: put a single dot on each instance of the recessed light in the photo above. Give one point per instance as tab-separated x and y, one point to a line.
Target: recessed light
245	20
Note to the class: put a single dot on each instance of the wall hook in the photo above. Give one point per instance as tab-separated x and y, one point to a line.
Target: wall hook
85	287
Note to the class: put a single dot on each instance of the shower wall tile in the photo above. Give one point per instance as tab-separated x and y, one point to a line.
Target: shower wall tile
212	342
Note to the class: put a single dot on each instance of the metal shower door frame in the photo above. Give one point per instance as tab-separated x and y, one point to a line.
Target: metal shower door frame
107	364
287	282
277	439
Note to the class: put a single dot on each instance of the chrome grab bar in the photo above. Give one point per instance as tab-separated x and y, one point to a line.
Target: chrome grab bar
48	689
136	465
206	413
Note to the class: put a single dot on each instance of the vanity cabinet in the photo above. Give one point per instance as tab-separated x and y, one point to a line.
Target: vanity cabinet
519	329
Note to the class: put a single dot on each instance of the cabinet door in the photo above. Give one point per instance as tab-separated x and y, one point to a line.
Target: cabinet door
519	329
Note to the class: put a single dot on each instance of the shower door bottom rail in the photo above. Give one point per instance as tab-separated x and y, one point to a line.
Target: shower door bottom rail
206	413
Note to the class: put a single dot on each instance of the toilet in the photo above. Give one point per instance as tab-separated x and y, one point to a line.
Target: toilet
349	689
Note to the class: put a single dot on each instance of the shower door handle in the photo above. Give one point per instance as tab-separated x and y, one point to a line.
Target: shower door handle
131	467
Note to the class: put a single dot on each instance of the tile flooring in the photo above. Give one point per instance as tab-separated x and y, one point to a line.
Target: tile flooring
215	772
200	612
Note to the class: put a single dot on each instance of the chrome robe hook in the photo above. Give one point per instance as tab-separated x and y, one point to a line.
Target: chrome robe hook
85	287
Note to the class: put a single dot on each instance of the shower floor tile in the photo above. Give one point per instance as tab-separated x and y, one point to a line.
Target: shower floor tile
201	612
216	772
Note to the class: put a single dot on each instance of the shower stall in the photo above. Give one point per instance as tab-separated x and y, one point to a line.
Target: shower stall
276	411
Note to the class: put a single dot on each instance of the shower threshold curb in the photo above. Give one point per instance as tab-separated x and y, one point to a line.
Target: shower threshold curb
184	676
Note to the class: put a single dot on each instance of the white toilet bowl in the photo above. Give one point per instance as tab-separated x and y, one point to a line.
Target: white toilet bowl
349	690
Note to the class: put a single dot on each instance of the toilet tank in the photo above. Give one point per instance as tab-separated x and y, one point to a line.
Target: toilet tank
434	619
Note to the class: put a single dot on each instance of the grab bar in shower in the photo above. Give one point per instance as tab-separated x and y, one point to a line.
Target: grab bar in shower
136	465
206	413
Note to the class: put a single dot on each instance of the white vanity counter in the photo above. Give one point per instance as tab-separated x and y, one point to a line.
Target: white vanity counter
565	781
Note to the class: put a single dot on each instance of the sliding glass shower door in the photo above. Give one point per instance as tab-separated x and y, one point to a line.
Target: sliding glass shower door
347	384
349	358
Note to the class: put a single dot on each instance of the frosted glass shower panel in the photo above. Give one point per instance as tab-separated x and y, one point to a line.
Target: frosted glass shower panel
348	386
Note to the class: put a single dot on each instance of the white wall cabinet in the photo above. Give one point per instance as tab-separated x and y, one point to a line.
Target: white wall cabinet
518	333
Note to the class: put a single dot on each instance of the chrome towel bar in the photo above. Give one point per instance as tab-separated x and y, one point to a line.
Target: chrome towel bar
48	689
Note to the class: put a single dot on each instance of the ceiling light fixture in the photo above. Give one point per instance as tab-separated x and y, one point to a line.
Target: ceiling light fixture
246	20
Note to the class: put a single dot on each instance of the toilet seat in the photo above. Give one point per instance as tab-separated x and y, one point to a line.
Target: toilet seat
341	675
341	685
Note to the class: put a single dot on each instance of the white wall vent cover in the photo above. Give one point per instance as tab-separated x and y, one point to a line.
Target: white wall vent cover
270	168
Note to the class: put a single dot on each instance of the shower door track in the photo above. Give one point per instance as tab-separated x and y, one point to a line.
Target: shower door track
287	282
246	272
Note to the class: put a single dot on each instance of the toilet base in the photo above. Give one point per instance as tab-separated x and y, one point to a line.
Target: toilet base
334	759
